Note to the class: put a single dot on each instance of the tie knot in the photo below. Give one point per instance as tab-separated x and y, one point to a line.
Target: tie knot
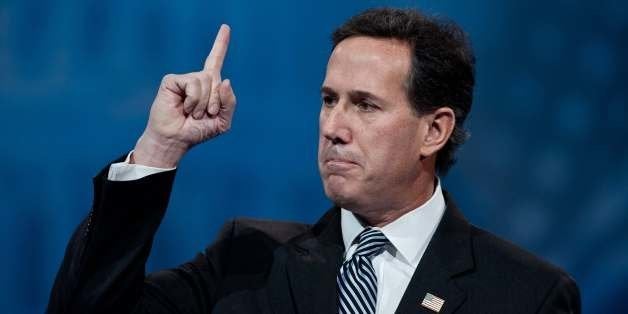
370	242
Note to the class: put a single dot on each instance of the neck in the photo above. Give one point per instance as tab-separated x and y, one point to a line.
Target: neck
392	210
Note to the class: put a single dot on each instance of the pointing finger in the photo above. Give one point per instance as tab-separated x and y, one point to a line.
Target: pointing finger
217	55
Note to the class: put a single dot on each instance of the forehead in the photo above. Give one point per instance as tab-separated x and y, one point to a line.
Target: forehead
372	64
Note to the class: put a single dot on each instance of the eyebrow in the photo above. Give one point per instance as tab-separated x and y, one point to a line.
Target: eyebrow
329	91
353	94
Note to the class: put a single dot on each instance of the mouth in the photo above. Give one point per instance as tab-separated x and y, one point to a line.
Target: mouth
341	160
337	164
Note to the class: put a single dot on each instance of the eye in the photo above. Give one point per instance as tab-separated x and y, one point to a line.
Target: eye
328	100
366	106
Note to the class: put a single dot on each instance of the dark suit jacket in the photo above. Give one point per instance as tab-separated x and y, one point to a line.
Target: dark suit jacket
278	267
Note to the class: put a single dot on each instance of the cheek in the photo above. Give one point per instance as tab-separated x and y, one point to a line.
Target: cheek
321	138
392	148
320	147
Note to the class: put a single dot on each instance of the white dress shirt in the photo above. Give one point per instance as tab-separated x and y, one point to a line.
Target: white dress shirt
124	171
409	236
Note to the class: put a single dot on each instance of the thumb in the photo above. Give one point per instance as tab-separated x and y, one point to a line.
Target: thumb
227	99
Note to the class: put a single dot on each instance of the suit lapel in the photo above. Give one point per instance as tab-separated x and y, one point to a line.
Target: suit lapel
448	254
314	259
312	265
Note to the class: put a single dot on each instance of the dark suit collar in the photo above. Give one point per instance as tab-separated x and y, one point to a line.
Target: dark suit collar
448	255
317	256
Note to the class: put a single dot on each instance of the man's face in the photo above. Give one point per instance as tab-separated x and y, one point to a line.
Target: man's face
370	137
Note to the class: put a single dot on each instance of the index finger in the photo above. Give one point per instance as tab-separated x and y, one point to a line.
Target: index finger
219	49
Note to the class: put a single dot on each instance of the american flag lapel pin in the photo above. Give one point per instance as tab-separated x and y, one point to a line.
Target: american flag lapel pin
433	302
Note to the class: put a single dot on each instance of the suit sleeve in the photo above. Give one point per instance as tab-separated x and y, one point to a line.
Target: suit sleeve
103	270
564	297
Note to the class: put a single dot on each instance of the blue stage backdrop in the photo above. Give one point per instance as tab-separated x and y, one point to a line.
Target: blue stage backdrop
545	167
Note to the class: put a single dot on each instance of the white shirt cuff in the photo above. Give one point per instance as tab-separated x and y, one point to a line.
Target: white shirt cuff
124	171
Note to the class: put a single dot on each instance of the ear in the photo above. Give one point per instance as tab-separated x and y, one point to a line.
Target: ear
440	125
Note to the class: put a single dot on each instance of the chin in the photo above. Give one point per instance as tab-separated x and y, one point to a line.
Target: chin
339	193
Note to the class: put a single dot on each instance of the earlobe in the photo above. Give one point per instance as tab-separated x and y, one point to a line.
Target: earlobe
440	124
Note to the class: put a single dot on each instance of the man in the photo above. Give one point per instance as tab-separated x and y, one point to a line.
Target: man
396	93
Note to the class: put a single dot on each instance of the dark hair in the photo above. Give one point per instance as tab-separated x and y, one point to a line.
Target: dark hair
442	73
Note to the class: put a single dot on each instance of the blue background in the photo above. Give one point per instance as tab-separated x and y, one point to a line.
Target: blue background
545	166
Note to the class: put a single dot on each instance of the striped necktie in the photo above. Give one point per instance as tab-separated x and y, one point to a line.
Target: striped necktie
357	283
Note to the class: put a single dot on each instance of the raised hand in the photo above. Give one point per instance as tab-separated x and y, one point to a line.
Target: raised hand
188	109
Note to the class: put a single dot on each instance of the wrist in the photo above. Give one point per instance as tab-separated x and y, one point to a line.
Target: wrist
157	152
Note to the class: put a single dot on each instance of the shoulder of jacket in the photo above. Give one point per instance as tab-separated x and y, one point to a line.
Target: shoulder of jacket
275	230
491	249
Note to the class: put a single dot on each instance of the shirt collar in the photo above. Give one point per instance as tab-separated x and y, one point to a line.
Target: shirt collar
409	234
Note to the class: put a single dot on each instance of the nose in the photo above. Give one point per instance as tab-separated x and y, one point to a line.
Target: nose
334	124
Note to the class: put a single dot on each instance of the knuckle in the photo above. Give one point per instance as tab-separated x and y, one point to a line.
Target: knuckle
193	99
205	77
196	81
168	77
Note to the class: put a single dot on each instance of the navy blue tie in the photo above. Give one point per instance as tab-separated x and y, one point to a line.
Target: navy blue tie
357	282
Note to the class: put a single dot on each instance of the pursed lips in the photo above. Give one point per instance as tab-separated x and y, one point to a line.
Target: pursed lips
340	164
